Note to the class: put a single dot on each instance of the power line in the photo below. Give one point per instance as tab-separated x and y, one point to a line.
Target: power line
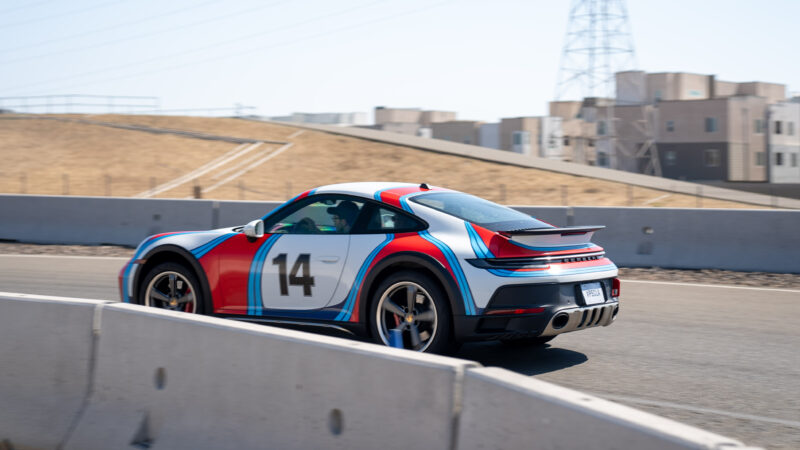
100	30
147	35
267	47
26	6
60	15
196	50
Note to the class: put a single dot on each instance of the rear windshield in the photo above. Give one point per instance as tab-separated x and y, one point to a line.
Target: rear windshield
478	211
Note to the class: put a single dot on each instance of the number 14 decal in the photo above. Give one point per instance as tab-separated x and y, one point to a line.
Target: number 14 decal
303	262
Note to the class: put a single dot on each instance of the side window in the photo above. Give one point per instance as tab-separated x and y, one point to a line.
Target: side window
384	220
326	215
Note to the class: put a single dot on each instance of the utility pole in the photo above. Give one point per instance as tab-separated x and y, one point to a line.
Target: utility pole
597	45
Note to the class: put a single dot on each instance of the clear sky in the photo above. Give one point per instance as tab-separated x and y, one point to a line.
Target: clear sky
482	59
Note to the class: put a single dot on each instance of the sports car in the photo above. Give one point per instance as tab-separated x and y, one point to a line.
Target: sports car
407	265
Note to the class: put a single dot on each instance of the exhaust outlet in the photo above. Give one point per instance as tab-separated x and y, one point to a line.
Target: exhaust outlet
560	321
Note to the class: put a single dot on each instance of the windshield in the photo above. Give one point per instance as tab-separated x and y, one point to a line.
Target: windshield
478	211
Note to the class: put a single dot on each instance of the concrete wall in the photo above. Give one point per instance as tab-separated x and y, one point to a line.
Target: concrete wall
749	240
97	375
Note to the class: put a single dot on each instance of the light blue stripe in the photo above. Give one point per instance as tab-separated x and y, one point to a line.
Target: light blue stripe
255	305
201	251
553	249
280	207
463	286
138	255
347	311
481	251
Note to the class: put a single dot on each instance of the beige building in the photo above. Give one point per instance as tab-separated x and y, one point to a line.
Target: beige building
412	121
461	131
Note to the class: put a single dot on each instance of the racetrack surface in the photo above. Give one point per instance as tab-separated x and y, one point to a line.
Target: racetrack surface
724	359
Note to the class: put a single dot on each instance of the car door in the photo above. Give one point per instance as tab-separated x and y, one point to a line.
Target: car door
300	269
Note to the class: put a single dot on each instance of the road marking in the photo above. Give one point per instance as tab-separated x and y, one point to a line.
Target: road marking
237	152
296	133
719	412
653	200
723	286
114	258
249	168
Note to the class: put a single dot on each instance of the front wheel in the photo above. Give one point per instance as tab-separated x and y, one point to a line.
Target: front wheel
173	287
409	310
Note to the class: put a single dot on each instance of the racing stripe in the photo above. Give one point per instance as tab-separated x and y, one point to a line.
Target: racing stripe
255	304
294	199
139	253
200	251
452	261
347	310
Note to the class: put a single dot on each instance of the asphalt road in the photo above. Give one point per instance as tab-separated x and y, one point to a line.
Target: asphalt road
725	359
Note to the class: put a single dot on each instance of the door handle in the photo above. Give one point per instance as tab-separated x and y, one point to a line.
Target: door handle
328	259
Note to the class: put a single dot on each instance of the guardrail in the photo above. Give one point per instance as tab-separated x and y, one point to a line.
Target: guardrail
732	239
82	374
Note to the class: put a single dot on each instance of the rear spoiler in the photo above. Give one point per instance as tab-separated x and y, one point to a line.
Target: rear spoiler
565	231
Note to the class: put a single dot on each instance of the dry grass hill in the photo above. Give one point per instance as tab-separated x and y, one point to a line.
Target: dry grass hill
93	156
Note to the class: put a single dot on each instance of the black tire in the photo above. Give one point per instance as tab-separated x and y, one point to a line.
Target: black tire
184	295
528	342
430	316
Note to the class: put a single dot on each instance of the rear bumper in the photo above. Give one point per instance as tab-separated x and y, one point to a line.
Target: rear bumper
547	310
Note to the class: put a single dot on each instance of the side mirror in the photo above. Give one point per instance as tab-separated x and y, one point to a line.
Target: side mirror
254	229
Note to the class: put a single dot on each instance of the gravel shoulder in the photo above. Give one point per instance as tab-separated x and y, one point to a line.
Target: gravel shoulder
725	277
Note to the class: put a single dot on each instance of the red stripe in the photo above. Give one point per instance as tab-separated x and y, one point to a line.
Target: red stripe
226	281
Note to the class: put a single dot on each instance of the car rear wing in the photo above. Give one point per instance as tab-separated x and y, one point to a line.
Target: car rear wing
564	231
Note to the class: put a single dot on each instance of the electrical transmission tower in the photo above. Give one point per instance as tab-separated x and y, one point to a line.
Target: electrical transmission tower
598	44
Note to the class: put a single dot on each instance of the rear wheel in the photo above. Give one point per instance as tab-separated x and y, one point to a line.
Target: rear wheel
172	286
410	311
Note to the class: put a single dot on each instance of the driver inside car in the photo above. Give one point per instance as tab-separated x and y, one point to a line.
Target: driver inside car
343	215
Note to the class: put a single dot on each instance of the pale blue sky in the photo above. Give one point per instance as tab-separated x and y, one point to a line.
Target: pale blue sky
483	59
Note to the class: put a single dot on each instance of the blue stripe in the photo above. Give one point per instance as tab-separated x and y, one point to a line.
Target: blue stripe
553	249
463	286
200	251
125	294
280	207
255	305
347	310
478	246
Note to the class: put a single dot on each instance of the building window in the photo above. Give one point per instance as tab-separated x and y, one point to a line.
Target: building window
658	95
670	125
790	128
602	159
711	124
671	157
778	159
601	128
758	126
778	127
761	158
566	141
794	159
711	157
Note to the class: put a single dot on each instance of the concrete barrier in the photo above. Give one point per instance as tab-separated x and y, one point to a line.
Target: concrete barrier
45	367
755	240
177	381
504	410
732	239
80	374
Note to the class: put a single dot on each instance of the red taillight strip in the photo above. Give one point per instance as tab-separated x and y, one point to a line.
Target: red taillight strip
615	287
516	311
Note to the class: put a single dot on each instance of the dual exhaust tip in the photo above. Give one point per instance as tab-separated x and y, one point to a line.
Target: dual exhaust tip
561	319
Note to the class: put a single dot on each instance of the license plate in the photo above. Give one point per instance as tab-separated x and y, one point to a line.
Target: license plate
592	293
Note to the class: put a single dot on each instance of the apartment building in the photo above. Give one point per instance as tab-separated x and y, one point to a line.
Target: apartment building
413	121
703	128
339	119
533	136
784	141
461	131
